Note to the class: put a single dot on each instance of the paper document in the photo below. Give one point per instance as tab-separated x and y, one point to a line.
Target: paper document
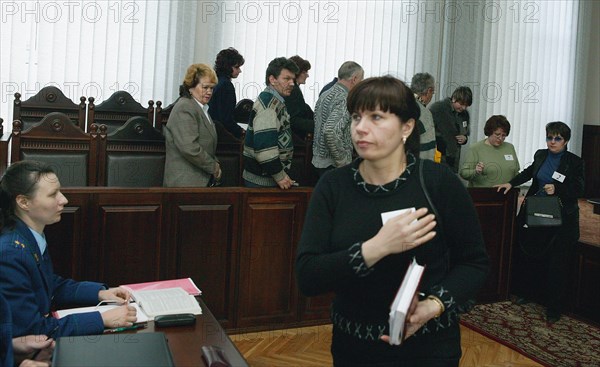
168	301
389	215
148	303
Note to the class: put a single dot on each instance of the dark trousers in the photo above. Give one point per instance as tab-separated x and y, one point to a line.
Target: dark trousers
438	349
543	261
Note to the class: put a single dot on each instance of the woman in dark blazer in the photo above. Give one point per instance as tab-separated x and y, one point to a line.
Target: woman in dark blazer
30	199
555	171
190	134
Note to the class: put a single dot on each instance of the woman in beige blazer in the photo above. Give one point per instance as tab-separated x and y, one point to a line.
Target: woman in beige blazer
190	134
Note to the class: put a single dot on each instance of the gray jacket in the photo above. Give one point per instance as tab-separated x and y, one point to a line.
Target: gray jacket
191	145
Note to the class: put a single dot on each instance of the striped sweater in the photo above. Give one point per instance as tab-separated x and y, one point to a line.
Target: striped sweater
268	145
332	144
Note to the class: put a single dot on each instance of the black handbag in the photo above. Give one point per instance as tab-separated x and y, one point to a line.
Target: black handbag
543	211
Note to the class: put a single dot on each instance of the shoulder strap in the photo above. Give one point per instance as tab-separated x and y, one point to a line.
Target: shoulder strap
438	218
426	192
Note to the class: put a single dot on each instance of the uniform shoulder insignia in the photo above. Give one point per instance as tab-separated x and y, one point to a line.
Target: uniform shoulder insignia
19	244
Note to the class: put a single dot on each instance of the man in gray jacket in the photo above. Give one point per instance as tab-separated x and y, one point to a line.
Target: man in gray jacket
332	146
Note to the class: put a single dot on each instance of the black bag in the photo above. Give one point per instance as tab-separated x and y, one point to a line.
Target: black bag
543	211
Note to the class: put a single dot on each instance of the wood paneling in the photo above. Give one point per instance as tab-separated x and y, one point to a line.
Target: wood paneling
496	212
587	288
66	239
205	244
267	288
239	246
590	152
129	238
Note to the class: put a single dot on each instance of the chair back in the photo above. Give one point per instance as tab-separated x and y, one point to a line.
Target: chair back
134	156
55	140
48	99
117	109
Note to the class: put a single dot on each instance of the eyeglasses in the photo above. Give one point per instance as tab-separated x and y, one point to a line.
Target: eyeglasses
557	139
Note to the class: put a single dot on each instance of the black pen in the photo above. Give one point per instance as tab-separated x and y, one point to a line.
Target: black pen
52	332
50	335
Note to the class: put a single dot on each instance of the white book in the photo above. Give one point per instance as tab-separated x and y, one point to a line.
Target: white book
149	304
168	301
402	301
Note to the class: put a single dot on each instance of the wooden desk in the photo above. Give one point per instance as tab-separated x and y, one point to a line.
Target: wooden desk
186	342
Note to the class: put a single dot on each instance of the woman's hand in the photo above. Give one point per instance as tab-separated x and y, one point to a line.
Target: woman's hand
399	234
31	343
419	313
114	294
550	189
120	316
38	347
505	186
479	168
30	363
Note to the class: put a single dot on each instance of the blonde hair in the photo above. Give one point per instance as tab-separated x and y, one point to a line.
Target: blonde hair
194	73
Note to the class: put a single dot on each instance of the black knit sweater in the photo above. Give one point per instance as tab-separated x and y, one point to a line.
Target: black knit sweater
342	214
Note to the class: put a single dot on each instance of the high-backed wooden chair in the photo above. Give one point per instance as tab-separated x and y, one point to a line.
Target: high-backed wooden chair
229	153
117	109
302	169
242	111
4	139
56	141
162	115
134	156
48	99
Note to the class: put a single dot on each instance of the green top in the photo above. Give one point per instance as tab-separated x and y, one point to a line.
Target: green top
500	164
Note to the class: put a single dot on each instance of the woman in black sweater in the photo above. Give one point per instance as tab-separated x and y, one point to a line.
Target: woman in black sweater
345	249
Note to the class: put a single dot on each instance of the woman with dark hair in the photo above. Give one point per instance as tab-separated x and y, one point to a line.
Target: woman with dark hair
346	248
190	134
301	115
491	161
542	265
30	199
228	65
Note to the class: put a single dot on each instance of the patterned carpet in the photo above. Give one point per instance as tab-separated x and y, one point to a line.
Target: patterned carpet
568	343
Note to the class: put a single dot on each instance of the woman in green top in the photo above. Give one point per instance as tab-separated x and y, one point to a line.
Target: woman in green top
491	161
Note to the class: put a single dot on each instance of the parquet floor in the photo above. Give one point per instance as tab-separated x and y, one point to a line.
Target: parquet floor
309	346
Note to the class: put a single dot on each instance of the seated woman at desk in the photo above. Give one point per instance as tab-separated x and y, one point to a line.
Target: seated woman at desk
30	199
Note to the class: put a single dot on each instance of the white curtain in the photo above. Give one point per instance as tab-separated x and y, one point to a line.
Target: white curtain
95	48
524	60
384	37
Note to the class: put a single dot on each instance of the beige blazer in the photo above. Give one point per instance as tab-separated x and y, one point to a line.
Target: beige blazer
191	145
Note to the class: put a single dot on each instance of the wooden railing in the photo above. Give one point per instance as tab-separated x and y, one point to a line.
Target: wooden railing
237	244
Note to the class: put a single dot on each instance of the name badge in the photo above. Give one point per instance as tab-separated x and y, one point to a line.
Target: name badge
389	215
509	157
559	177
465	123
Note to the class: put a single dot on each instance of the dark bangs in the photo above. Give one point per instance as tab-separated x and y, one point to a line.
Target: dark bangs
385	93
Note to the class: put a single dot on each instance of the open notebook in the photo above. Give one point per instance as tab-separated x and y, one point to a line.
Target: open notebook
149	304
